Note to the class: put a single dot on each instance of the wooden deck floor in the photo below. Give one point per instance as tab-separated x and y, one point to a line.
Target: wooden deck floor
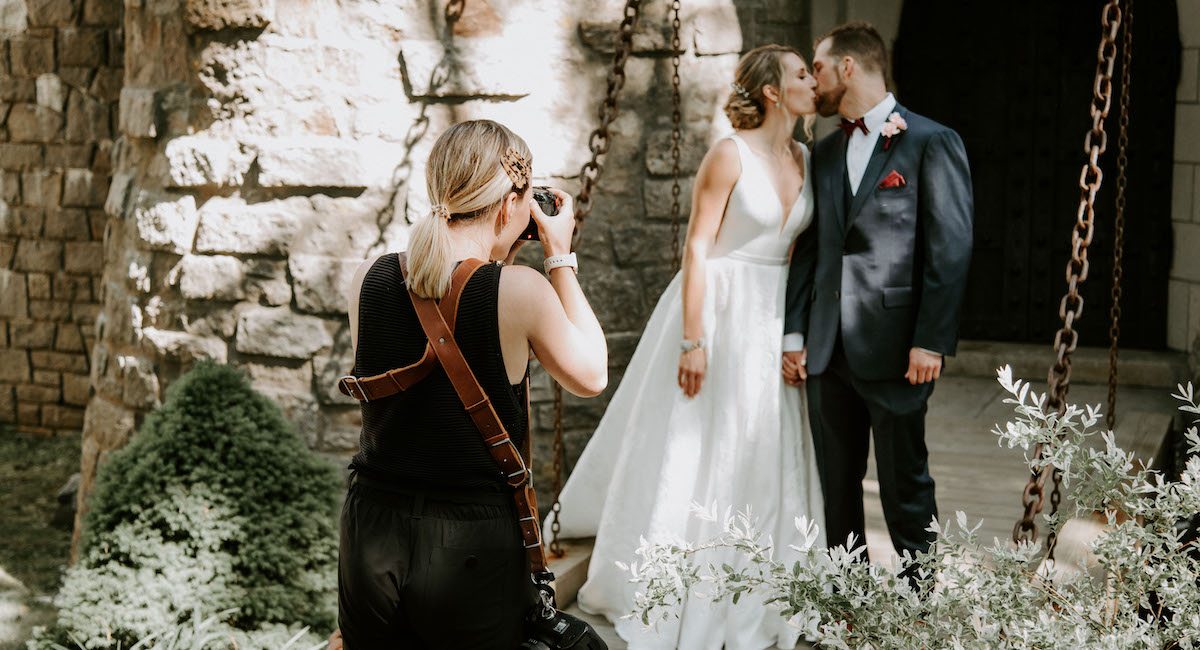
974	474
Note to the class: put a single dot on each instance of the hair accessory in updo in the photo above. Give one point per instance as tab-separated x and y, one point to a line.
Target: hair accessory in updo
441	210
737	88
517	168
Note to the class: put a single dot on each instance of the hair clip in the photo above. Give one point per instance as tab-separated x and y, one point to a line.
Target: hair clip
441	210
739	89
517	167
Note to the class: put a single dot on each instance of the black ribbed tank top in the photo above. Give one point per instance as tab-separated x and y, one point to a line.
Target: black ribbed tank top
423	436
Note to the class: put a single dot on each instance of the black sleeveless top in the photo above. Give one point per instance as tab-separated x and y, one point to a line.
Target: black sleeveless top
423	436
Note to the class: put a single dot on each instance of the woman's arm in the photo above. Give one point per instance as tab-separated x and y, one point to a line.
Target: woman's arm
715	179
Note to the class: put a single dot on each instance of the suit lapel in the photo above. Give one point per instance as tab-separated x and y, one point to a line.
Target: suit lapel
832	176
875	169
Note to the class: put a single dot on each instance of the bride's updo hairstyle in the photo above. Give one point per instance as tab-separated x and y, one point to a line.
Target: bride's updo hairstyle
762	66
472	168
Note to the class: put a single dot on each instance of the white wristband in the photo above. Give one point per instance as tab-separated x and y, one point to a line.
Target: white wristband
557	261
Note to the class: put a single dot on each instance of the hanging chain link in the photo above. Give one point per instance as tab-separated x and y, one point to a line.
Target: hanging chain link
589	175
676	134
1114	329
1071	308
600	139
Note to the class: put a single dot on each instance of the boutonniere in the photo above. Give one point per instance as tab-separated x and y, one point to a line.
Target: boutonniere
893	127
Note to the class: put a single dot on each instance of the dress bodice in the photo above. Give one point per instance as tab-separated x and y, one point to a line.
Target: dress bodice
755	227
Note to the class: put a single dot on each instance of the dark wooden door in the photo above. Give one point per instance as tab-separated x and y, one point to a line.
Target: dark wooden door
1015	80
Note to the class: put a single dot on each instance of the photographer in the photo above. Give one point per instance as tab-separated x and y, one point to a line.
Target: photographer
431	553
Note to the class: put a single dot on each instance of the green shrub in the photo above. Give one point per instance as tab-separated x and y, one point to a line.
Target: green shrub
216	504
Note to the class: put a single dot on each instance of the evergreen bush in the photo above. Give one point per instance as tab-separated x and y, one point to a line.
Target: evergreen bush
215	504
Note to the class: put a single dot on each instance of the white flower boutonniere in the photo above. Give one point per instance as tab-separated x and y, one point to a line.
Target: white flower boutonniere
893	127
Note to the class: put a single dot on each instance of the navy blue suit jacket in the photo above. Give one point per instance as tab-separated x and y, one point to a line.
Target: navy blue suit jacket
886	268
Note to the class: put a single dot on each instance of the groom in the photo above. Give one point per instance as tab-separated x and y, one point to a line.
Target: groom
875	287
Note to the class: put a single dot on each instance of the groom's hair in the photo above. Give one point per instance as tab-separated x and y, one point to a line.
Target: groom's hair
860	41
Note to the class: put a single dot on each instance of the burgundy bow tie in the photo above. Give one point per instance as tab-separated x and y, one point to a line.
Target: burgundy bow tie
849	126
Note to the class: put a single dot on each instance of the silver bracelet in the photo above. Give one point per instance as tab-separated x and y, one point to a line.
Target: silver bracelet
558	261
687	346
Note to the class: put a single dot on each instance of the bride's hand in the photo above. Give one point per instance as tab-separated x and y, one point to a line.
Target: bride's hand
692	367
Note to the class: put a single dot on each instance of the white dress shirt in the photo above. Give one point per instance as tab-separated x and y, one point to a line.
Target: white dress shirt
858	156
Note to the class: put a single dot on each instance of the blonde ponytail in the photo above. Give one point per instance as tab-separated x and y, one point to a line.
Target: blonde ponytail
466	180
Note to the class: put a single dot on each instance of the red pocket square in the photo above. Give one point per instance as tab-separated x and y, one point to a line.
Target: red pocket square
893	180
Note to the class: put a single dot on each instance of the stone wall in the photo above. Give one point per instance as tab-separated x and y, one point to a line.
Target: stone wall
1183	325
60	77
266	147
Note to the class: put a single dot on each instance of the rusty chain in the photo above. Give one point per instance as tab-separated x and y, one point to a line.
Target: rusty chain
676	134
1071	308
1114	328
589	175
600	139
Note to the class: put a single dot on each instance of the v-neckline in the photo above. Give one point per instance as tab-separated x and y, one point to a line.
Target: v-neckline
785	215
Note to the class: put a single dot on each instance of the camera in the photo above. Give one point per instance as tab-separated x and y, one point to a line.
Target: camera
548	202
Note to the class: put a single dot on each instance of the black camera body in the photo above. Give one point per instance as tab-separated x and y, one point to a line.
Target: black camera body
548	202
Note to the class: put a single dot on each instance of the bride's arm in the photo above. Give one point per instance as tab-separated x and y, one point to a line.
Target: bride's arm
715	179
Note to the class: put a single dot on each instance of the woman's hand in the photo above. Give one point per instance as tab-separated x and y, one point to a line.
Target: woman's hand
556	231
693	365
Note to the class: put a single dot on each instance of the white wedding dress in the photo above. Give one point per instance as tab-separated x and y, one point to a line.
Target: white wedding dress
742	441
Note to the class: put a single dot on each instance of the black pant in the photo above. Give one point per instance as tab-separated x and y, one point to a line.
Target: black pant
845	411
421	569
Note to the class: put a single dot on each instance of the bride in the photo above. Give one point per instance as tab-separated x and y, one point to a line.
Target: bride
704	414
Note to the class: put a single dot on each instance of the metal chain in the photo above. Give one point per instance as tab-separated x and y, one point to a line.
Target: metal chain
1114	329
1071	308
676	134
598	142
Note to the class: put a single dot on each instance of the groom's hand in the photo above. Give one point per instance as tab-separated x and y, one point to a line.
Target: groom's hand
923	366
795	368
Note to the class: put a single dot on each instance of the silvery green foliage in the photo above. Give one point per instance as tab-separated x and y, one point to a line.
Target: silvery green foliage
213	633
1144	593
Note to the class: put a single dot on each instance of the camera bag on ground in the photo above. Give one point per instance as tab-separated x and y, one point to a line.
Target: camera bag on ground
546	627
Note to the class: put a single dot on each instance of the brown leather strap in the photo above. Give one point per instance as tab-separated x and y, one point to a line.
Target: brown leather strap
366	389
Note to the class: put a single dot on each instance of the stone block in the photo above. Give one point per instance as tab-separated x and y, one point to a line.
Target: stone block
165	221
650	37
85	313
185	348
69	339
656	194
20	156
14	17
82	46
49	310
84	257
1187	133
8	250
73	288
34	123
76	389
715	29
139	383
102	161
29	415
77	77
31	56
280	332
229	14
1177	314
479	67
51	93
106	84
283	380
1189	77
14	89
107	425
69	224
88	120
14	366
139	113
57	416
8	399
1196	196
1189	18
120	195
14	299
52	13
327	367
10	187
1182	191
640	243
103	13
61	156
617	298
42	189
97	221
320	283
267	282
658	152
232	226
84	189
33	255
200	161
1193	324
39	286
323	162
47	378
212	277
1186	263
34	393
21	222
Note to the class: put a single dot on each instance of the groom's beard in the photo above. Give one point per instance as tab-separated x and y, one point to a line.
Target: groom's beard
828	102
